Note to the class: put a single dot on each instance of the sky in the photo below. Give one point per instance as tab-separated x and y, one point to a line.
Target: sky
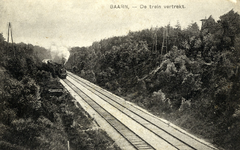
73	23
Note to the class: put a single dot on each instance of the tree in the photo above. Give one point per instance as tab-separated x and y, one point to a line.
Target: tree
193	29
231	25
1	38
178	26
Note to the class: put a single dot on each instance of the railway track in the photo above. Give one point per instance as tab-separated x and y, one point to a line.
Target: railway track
137	127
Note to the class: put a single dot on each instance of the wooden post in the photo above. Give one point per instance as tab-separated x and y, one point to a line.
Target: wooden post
68	145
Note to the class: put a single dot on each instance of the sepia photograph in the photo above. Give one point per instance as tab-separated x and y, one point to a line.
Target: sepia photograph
120	75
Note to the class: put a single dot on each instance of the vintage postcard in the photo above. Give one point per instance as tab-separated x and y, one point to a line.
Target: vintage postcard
120	74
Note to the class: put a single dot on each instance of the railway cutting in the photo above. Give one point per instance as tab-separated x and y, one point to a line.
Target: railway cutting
130	126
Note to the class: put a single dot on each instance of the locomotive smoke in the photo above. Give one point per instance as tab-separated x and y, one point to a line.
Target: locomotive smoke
59	54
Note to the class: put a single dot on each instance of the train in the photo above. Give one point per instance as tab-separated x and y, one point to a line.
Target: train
56	69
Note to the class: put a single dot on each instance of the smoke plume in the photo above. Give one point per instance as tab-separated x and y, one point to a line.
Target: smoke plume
59	54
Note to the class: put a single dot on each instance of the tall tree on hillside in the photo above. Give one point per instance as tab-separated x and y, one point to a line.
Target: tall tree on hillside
193	29
231	25
178	26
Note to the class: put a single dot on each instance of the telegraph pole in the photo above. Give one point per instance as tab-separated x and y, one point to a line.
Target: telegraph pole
10	30
156	42
165	40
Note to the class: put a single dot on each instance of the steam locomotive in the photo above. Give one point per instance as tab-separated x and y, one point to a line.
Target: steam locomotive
56	69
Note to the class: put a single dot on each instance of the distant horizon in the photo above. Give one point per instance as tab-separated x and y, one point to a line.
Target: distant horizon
76	23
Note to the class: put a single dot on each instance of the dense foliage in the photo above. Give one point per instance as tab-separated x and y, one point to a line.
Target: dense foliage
194	81
33	118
